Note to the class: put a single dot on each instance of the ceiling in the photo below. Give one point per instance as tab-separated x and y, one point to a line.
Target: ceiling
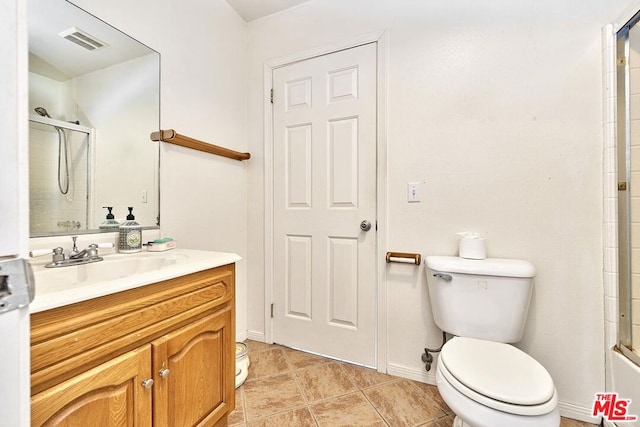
255	9
57	58
53	56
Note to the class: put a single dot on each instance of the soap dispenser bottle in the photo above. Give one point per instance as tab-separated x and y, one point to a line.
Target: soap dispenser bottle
130	235
110	223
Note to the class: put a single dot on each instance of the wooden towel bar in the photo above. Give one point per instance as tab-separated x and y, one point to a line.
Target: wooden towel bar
172	137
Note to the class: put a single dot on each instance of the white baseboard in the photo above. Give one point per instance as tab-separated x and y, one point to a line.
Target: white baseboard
607	423
576	412
413	374
255	336
241	336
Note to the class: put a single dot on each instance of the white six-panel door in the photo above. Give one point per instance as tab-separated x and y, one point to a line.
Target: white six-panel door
324	186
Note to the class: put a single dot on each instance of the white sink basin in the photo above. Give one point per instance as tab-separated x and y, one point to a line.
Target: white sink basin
60	286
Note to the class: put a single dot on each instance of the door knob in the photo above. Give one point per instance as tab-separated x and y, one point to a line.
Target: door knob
365	225
147	383
164	373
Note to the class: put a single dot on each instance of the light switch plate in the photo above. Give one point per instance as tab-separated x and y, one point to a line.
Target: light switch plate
413	192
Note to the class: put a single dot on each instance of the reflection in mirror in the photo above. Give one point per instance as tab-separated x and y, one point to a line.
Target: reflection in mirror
58	167
93	101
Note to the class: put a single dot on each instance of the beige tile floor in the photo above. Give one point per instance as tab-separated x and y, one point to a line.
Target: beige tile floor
290	388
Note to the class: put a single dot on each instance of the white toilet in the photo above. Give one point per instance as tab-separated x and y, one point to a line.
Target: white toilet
485	381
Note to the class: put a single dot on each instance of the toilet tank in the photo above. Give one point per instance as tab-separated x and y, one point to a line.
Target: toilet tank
484	299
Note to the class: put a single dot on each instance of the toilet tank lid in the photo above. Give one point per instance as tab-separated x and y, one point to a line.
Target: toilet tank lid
484	267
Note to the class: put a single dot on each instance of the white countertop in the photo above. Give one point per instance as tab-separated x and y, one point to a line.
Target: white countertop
56	287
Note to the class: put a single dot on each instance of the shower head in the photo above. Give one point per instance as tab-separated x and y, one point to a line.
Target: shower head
41	111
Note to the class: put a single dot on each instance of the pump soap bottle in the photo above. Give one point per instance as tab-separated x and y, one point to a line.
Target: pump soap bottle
130	235
110	223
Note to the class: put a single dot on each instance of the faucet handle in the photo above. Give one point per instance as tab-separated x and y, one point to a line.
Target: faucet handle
58	255
92	250
39	252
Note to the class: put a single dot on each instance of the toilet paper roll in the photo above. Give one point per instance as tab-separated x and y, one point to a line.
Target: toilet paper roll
473	248
403	260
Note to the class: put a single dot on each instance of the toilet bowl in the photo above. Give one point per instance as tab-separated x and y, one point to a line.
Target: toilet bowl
490	384
486	381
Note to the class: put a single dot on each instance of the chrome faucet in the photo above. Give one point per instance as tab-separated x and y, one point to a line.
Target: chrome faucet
90	252
76	257
74	250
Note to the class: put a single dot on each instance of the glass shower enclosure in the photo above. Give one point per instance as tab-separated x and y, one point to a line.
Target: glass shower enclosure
59	171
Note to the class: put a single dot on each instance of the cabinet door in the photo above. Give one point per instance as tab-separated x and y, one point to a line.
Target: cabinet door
198	389
110	394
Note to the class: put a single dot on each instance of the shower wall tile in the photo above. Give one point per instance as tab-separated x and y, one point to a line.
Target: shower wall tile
635	158
610	238
635	260
634	191
634	80
607	36
610	83
611	260
635	313
610	182
611	285
635	235
609	112
611	309
610	137
610	158
610	333
634	129
611	214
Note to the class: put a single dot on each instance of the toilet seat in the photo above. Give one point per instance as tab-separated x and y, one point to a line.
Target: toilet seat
498	375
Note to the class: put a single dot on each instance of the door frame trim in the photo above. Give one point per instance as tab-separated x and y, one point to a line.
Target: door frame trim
380	38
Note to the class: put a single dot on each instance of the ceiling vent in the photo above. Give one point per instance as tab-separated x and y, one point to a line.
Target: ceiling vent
82	38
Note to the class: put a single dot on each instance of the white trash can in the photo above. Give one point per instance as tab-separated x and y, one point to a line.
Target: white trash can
242	363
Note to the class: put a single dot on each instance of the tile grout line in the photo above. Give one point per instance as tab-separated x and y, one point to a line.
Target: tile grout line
444	411
300	389
384	420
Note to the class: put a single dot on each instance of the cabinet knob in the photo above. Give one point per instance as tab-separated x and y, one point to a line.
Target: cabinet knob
148	383
164	373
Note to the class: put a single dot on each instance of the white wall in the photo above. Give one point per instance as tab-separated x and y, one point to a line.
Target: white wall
497	107
203	95
120	103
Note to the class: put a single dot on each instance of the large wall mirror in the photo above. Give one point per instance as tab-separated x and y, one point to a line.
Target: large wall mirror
94	99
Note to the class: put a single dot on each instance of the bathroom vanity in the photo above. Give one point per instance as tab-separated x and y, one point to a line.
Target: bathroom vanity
156	354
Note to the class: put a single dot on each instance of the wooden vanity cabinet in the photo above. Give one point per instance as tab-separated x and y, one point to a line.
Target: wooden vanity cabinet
107	395
158	355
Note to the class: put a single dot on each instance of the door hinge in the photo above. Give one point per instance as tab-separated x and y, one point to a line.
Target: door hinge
271	96
622	186
272	310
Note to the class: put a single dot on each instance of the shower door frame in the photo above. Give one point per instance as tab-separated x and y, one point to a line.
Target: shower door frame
623	147
91	138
